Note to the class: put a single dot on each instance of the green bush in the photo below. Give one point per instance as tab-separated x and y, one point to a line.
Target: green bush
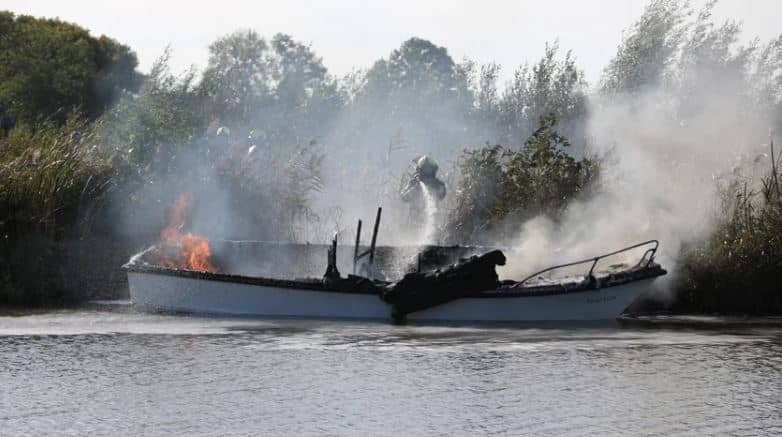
500	184
737	268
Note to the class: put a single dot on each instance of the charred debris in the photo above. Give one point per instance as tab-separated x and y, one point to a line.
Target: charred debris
434	280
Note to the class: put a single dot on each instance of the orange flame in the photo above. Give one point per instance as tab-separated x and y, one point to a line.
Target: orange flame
184	251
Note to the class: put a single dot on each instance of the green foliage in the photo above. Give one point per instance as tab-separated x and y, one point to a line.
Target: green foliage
648	49
480	180
306	99
710	55
149	129
487	99
237	78
766	79
737	268
48	68
418	68
541	177
417	97
280	87
687	58
45	176
551	86
499	184
299	73
50	182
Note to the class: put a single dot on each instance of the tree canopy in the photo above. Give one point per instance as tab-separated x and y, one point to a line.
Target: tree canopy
48	68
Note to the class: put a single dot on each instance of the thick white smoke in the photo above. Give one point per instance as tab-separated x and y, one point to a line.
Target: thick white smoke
660	178
684	112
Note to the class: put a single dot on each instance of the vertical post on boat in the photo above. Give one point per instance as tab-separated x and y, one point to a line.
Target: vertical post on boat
355	251
374	236
331	270
334	250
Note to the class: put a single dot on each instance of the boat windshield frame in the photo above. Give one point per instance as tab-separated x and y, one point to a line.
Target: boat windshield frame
647	256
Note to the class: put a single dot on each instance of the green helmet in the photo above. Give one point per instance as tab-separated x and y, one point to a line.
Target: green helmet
426	166
223	131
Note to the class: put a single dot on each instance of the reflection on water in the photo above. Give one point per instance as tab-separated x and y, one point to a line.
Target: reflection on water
119	372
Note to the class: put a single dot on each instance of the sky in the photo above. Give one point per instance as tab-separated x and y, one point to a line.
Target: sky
352	34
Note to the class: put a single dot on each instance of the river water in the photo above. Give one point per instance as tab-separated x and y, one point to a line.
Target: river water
117	372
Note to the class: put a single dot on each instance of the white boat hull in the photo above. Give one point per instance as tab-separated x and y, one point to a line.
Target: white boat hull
157	292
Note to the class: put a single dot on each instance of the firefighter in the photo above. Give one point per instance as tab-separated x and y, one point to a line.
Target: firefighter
425	173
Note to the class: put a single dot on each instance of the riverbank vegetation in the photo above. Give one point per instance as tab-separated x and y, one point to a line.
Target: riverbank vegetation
93	152
739	264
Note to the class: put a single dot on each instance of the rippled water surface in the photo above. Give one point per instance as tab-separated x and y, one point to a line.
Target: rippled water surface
119	372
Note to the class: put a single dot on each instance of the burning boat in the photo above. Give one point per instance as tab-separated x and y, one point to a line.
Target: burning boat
185	274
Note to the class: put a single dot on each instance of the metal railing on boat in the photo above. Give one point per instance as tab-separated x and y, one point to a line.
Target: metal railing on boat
649	253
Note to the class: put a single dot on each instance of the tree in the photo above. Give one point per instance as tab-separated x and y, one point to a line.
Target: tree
551	86
279	87
298	72
709	60
417	96
418	67
648	49
149	128
486	96
238	75
49	68
305	99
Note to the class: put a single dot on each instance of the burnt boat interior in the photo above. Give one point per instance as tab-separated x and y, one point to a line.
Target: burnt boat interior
307	262
291	261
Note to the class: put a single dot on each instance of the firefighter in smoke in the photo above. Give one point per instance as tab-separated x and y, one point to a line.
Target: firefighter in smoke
424	177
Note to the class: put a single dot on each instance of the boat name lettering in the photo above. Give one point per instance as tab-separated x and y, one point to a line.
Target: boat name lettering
599	299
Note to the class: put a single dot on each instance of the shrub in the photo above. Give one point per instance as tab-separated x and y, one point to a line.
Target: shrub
500	184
